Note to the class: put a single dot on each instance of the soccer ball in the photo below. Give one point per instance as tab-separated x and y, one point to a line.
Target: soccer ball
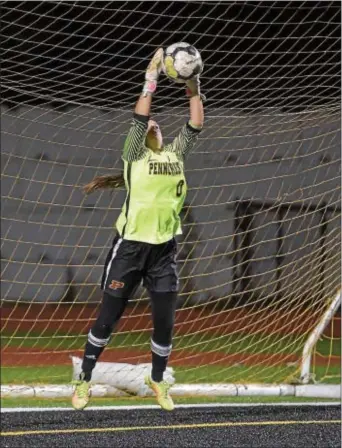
182	61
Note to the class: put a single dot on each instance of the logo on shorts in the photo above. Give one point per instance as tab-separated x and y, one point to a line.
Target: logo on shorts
116	285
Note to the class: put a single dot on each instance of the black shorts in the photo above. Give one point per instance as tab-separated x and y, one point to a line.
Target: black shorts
129	262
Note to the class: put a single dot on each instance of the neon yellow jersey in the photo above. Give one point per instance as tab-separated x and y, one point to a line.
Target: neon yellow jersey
156	190
156	186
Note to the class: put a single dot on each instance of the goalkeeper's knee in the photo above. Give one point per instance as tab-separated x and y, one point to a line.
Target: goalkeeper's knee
111	311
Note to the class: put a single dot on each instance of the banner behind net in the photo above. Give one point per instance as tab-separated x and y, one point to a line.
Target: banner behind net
259	257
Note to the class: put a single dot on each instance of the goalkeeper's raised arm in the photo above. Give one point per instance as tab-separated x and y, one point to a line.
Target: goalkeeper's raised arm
134	148
145	133
187	137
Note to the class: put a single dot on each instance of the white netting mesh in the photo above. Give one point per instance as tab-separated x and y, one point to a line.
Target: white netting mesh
260	254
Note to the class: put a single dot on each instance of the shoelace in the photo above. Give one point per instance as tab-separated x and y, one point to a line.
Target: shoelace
81	388
165	388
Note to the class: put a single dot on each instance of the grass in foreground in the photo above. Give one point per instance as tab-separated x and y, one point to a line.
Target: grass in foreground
204	374
229	344
237	374
109	401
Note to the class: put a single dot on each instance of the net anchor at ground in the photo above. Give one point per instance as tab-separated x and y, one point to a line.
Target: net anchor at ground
124	380
180	390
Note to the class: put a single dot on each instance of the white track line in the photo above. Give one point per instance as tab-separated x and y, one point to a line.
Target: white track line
179	406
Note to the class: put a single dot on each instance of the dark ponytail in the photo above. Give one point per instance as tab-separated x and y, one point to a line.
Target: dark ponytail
104	182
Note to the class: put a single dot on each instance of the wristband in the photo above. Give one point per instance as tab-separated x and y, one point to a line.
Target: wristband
149	88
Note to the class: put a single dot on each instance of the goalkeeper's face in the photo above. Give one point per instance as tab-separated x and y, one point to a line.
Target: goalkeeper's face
154	138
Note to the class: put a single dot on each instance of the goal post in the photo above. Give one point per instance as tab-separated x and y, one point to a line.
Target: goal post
315	335
260	255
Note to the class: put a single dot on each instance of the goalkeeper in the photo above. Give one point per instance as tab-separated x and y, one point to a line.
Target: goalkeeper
145	247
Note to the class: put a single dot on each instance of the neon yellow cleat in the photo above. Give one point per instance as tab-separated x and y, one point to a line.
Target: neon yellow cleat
81	394
162	393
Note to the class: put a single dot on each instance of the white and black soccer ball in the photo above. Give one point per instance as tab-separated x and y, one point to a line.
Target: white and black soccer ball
182	61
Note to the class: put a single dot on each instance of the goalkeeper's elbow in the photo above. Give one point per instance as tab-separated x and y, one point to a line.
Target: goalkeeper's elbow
196	126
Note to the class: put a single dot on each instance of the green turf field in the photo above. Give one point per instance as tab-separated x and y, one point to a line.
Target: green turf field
204	374
234	343
65	402
55	374
238	343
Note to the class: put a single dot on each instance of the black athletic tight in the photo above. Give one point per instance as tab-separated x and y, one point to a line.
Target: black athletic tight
163	305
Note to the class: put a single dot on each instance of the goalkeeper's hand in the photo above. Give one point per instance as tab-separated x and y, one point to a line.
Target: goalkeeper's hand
152	72
193	87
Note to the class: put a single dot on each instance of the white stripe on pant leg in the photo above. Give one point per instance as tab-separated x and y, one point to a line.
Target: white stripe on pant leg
115	251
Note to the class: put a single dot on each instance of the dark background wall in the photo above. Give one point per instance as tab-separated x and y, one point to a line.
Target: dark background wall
262	217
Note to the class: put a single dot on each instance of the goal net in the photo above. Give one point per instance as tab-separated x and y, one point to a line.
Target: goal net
259	258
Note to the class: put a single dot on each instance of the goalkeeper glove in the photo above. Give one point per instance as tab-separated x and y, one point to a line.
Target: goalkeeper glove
193	88
152	73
